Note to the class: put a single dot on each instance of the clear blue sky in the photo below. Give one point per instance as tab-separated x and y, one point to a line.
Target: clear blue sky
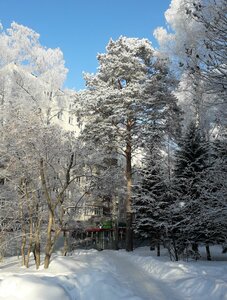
82	28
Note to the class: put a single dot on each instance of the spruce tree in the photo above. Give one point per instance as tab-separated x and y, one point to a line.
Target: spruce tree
214	194
191	157
190	171
148	197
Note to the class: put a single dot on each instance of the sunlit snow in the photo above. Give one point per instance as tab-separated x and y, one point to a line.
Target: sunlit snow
115	275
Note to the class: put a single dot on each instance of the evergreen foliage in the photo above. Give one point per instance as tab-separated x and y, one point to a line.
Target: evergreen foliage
148	197
190	168
127	102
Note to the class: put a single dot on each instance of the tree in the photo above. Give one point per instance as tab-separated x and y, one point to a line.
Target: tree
198	105
212	65
192	154
21	45
128	99
37	156
213	196
44	163
190	171
197	41
148	200
194	42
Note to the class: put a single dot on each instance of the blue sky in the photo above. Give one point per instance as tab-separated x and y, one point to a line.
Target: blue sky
82	28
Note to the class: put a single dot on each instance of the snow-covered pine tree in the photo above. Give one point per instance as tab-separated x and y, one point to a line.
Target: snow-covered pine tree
192	155
127	99
190	169
220	183
148	201
213	197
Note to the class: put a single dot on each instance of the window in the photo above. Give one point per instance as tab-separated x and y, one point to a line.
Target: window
71	120
60	115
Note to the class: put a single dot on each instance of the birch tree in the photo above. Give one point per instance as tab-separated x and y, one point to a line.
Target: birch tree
196	41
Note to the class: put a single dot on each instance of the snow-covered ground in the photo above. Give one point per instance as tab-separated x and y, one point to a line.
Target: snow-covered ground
115	275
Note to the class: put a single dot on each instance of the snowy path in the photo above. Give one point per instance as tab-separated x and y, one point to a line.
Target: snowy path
89	275
139	281
114	275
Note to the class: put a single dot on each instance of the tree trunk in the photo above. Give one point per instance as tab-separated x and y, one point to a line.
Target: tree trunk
23	245
23	232
66	243
36	250
49	243
2	240
158	249
129	230
29	244
208	252
48	248
115	236
175	250
51	239
52	206
195	247
115	224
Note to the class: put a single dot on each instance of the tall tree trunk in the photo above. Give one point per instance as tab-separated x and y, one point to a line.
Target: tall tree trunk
129	230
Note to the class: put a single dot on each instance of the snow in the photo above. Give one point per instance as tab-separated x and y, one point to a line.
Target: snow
115	275
200	280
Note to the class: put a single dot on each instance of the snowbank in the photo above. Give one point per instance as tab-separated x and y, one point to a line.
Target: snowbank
15	287
86	275
197	280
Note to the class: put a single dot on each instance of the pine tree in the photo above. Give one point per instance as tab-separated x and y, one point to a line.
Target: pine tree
128	99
